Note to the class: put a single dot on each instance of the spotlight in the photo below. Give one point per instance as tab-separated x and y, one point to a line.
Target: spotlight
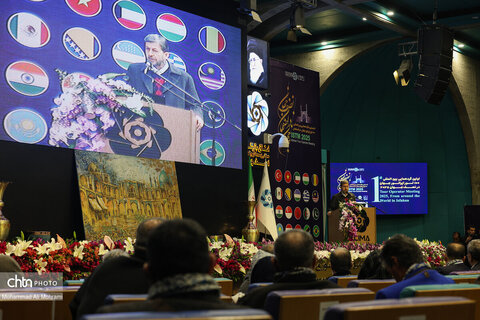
297	22
402	74
291	35
249	7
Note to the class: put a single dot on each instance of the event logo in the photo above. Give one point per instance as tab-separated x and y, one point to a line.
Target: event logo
215	116
210	155
212	76
24	125
306	195
279	212
171	27
278	193
27	78
129	14
288	212
316	231
81	43
296	177
28	29
257	113
297	213
297	195
305	179
126	52
306	213
177	61
288	176
315	196
86	8
362	221
212	39
316	213
288	194
278	175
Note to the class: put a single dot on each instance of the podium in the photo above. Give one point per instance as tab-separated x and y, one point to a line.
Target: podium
367	236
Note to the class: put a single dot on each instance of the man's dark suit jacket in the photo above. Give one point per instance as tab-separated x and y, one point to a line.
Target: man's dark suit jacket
338	198
460	266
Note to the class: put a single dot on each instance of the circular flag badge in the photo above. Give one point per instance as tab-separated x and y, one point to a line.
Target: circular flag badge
171	27
288	194
28	29
288	176
24	125
177	61
298	227
278	175
129	14
315	213
316	231
296	177
212	76
315	180
27	78
215	116
297	195
212	39
73	79
315	196
126	52
278	193
279	229
305	179
288	212
306	213
81	43
288	227
297	213
279	212
86	8
307	228
210	155
306	195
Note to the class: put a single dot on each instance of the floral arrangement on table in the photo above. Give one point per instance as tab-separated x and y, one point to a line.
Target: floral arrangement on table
433	252
348	220
89	107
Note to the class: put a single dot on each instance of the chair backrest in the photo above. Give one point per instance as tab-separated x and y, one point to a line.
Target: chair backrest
258	284
310	304
409	308
123	298
228	314
73	282
466	290
226	286
373	285
467	272
463	278
342	281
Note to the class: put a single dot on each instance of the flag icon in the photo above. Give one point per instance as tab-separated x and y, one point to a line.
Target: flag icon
278	175
305	179
28	29
288	212
306	213
315	180
251	192
278	193
306	195
81	43
297	195
86	8
296	177
265	215
279	211
212	76
288	176
288	194
215	116
307	228
27	78
129	14
297	213
316	231
316	213
315	196
212	39
279	228
126	52
177	61
171	27
211	156
298	226
288	227
24	125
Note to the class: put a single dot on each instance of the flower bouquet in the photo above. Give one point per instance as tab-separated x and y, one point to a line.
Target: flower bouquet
348	221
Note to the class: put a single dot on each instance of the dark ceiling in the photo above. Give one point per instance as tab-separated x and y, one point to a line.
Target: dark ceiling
335	23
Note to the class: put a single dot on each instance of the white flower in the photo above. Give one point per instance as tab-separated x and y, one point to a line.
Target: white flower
19	249
225	253
129	245
102	250
216	245
134	103
78	252
41	264
248	248
53	245
322	254
43	249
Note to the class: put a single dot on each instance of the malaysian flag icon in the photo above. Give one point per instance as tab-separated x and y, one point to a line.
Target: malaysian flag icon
212	76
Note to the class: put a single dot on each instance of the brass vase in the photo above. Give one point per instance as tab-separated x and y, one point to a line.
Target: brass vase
4	222
250	232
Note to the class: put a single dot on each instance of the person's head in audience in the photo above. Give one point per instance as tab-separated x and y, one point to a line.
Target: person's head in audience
471	230
114	253
178	247
8	264
473	252
144	230
294	249
341	262
373	268
399	253
456	237
455	251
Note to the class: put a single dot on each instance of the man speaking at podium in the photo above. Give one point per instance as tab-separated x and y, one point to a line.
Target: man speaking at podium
162	81
342	196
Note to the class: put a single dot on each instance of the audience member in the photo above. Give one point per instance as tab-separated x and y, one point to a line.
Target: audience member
455	259
261	268
373	268
294	261
8	264
178	263
470	235
403	258
114	253
341	262
456	238
115	275
473	254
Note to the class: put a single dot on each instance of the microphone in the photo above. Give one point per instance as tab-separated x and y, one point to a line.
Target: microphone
148	65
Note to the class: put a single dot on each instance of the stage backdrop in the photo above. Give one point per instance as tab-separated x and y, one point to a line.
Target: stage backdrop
118	192
295	175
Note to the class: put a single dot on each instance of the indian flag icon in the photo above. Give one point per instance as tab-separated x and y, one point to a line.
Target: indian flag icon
27	78
171	27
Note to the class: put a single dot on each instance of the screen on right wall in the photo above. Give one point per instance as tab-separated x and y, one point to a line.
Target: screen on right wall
393	188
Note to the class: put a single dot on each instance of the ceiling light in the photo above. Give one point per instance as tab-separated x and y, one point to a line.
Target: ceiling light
461	45
324	43
402	74
364	19
390	13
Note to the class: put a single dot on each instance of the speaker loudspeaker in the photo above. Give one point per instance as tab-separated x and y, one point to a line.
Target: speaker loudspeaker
435	48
